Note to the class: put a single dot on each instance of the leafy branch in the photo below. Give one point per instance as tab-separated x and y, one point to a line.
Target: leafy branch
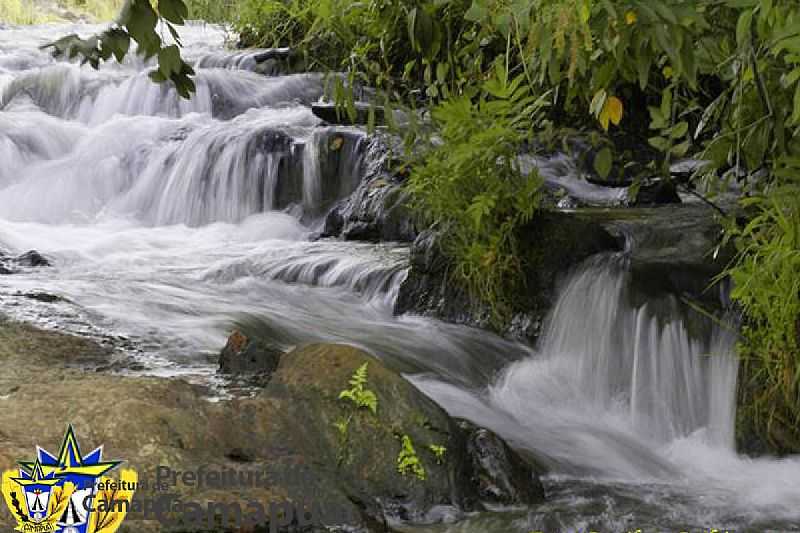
138	22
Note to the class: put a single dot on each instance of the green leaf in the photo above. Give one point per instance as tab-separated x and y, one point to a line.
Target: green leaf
477	12
441	72
680	150
665	12
603	162
157	76
633	190
174	11
796	113
659	143
743	28
585	11
679	130
141	27
117	41
169	60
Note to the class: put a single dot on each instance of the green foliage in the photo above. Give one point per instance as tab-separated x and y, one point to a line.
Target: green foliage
138	22
19	12
408	463
469	183
438	452
361	398
215	11
766	280
358	393
102	10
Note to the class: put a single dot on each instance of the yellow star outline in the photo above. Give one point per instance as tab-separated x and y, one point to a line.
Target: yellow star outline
37	477
70	460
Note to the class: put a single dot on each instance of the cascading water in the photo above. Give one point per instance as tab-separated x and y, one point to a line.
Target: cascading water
168	221
624	398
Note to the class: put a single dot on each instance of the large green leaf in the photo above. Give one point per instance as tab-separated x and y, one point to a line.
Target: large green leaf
603	162
174	11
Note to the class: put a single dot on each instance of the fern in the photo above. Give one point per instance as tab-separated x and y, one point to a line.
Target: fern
438	452
408	462
358	393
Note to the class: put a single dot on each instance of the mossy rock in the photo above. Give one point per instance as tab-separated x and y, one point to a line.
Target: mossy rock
307	385
287	430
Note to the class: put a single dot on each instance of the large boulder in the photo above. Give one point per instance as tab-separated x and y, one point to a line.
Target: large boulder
287	430
363	455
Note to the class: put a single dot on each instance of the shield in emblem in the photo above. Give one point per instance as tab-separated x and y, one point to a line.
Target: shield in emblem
37	489
38	499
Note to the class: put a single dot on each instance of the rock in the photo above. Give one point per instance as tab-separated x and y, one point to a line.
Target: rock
672	249
243	355
43	297
502	476
338	155
278	62
364	460
32	259
378	208
657	192
551	245
330	114
273	53
285	430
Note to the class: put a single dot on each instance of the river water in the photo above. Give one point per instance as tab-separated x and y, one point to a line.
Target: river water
166	226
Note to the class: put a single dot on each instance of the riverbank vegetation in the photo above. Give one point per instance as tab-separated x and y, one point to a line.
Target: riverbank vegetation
18	12
42	11
645	83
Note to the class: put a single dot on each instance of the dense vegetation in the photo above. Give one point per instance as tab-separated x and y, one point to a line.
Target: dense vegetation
33	12
645	81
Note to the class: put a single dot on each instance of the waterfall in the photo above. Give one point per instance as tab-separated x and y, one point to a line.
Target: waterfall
612	378
169	222
640	361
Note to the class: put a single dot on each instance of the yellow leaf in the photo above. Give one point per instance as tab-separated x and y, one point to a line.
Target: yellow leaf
612	112
630	18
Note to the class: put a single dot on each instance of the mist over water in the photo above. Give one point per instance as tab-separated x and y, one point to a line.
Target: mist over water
169	222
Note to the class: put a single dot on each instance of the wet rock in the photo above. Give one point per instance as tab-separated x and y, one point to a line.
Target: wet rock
378	208
43	297
245	355
501	475
330	114
657	192
673	249
549	247
307	386
286	429
338	158
32	259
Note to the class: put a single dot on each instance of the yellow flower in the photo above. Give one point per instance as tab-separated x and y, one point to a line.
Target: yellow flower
630	18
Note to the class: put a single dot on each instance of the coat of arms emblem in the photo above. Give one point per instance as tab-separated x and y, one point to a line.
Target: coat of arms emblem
59	492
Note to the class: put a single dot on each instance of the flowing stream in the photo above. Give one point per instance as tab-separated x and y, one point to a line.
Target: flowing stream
170	221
